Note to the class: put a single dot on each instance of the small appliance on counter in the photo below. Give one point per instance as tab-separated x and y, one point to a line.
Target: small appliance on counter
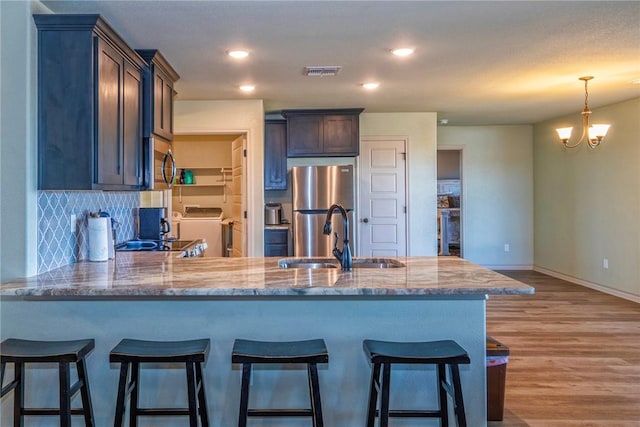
187	248
273	214
153	224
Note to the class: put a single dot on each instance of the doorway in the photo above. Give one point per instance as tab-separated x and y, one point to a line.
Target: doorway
217	163
449	202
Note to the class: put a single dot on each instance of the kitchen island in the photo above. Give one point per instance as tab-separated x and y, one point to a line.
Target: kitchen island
157	296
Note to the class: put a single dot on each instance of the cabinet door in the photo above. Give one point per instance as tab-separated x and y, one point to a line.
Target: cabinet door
276	242
304	135
341	135
108	144
275	155
162	105
132	125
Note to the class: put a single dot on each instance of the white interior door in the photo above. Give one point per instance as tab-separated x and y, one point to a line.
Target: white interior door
382	209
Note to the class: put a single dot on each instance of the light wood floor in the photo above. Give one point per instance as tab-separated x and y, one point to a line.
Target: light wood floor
575	355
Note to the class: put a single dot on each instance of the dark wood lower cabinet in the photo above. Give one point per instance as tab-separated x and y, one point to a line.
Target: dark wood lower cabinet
276	242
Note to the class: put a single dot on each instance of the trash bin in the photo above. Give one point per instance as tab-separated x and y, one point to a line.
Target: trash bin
497	360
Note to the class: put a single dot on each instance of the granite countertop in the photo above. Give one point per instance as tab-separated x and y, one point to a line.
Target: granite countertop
155	274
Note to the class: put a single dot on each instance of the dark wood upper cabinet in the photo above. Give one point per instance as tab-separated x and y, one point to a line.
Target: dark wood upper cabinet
317	133
275	155
89	106
159	80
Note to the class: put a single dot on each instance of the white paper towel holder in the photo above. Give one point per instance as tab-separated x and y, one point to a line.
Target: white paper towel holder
99	229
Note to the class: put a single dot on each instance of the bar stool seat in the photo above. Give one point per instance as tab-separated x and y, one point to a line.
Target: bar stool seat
310	352
19	352
131	352
382	354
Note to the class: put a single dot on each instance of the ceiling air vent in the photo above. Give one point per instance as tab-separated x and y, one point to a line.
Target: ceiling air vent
322	71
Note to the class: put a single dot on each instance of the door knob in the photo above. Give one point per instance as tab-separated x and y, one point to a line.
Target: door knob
365	220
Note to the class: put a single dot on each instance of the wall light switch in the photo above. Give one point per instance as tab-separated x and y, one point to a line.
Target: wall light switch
506	247
73	223
605	263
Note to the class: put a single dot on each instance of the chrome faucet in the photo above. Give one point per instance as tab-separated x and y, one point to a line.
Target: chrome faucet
344	255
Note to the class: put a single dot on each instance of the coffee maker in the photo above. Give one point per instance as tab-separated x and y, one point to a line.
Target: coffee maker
153	224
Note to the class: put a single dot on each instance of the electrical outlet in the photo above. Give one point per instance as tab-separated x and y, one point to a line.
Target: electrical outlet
72	223
506	247
605	263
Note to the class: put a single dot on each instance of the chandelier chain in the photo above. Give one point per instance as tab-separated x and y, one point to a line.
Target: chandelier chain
586	95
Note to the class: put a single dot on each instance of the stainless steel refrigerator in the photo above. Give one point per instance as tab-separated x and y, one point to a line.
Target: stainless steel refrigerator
315	189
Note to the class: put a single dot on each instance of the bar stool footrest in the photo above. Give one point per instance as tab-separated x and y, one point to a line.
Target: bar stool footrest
274	412
157	412
412	413
49	411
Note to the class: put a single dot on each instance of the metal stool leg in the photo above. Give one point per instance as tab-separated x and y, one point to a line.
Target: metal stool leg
202	401
457	390
244	395
314	391
85	394
373	395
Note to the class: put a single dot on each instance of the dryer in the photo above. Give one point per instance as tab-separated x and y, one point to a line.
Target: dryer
203	223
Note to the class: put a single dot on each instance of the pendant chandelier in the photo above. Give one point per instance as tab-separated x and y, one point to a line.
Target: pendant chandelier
592	134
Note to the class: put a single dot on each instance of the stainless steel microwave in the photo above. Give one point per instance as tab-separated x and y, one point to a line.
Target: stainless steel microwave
160	165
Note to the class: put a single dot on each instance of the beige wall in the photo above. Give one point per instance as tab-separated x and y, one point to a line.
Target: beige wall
497	192
18	196
420	128
202	117
587	202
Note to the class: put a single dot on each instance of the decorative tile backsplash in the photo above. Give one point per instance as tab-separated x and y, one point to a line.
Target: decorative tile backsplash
57	244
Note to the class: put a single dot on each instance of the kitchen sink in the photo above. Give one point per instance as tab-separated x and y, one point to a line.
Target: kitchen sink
313	263
294	263
376	263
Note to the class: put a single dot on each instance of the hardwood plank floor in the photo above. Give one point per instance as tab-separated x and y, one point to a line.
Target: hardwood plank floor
575	355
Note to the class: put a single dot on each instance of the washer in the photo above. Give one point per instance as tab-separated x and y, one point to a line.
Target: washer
205	224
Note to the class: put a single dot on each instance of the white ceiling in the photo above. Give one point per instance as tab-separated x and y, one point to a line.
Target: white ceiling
476	62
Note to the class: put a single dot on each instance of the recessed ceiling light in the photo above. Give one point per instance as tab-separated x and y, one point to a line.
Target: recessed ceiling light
247	88
403	51
371	85
238	54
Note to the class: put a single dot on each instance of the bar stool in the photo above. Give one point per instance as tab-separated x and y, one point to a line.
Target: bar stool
382	354
130	353
310	352
19	352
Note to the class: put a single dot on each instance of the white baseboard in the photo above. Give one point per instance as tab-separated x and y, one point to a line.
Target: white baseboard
509	267
586	283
